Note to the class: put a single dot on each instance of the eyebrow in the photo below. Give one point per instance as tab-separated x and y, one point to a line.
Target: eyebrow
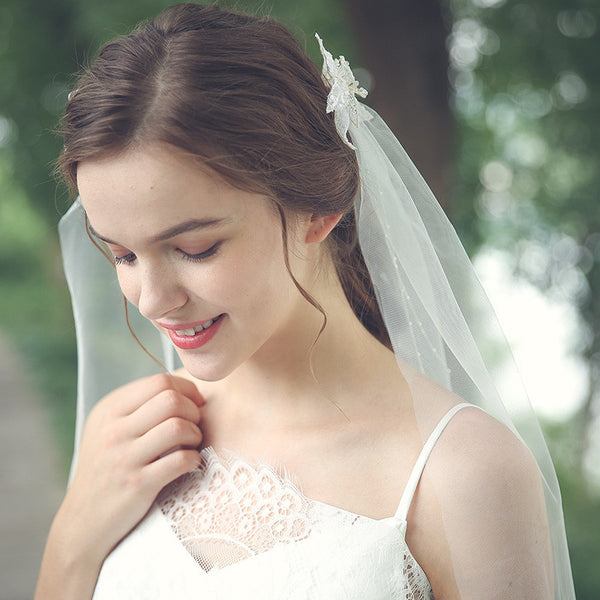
191	225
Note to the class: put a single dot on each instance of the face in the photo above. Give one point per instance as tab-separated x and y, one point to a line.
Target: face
202	260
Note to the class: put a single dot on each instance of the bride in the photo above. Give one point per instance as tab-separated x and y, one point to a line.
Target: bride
331	430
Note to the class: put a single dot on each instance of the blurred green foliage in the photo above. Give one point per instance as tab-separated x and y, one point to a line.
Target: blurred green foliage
526	96
526	100
34	304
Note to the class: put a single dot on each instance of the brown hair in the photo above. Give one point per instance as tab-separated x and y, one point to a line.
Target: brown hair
239	93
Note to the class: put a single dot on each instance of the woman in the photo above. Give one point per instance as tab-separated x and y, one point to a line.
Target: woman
309	446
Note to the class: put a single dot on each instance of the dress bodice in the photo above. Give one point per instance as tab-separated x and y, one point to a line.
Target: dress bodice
236	529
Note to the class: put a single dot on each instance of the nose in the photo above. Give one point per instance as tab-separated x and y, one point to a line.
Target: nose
159	292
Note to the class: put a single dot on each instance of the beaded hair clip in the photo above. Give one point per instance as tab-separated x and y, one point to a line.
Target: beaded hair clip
343	89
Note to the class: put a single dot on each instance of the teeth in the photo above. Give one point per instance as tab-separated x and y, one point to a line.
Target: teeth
195	330
185	331
205	325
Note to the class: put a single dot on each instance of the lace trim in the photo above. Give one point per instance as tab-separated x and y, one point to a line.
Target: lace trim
228	510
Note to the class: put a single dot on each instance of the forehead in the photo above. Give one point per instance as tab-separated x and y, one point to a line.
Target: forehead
143	174
151	188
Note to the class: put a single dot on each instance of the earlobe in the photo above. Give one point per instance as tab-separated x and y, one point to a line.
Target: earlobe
320	226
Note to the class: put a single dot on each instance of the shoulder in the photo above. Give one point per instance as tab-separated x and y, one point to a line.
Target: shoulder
475	447
478	461
485	490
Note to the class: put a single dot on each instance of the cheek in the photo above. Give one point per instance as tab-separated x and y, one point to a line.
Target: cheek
255	281
267	285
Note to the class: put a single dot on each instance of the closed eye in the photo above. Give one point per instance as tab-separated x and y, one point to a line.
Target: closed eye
128	259
201	255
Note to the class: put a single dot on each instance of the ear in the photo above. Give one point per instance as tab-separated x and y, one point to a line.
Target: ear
319	227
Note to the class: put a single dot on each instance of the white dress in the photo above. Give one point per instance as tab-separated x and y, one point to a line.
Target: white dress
233	530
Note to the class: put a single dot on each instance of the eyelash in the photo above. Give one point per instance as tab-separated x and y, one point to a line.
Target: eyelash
129	259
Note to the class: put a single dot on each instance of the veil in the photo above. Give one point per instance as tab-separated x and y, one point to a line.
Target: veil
435	310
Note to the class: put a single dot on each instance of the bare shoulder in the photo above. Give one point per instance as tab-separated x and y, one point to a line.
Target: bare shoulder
476	447
481	514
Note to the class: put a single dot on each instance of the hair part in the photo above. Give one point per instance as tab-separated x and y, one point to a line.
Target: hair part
239	94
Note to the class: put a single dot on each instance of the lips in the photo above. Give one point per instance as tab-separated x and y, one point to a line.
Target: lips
190	336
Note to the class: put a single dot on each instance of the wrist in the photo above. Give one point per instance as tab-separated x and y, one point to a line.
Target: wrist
74	541
69	567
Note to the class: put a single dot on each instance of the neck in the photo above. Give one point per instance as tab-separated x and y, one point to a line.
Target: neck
295	379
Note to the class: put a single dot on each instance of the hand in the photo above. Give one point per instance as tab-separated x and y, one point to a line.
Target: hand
136	440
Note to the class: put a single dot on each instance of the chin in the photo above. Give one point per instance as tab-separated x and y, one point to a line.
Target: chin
201	369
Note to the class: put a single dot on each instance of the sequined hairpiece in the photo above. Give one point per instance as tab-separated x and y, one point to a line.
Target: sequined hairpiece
343	89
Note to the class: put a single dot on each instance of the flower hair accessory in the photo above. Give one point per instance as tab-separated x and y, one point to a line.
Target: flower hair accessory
343	89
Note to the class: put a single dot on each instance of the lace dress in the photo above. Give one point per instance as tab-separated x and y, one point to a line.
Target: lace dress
231	529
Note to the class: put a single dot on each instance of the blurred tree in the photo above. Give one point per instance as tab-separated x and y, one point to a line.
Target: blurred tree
527	91
37	49
526	96
403	45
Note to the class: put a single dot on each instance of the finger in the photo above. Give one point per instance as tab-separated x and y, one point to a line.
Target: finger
165	437
168	468
128	398
163	406
188	389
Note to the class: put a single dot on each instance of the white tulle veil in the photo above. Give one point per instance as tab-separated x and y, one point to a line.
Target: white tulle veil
433	305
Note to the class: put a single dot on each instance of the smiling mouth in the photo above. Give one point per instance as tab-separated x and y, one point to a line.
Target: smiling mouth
192	338
194	330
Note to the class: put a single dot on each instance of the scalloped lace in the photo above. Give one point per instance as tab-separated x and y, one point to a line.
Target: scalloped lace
229	510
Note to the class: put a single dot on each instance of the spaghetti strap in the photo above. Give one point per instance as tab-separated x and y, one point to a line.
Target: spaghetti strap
417	471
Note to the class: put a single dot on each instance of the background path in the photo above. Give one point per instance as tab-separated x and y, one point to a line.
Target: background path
31	482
